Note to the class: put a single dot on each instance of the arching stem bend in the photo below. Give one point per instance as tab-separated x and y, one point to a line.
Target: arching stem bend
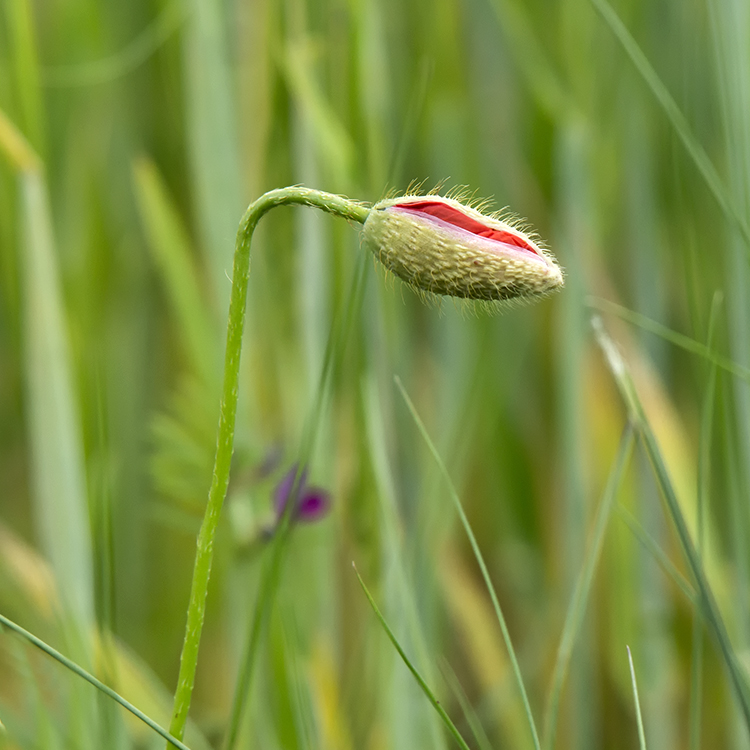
333	204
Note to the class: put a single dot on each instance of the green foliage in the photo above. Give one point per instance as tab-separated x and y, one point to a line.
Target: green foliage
132	135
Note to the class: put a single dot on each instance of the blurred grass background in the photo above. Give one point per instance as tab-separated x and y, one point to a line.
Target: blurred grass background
156	124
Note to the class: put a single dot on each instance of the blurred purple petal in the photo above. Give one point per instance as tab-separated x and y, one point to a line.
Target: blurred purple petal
313	502
313	505
284	489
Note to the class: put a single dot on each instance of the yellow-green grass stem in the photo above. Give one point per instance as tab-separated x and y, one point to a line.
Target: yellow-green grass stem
333	204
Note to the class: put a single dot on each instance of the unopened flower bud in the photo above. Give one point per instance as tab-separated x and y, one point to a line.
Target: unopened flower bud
439	245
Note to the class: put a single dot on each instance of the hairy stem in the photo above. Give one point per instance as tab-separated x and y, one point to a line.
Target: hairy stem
333	204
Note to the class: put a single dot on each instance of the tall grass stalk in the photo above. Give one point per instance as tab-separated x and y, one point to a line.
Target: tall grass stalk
707	601
332	204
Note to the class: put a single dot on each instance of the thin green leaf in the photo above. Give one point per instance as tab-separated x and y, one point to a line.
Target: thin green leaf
578	601
479	558
641	733
661	557
73	667
680	124
706	598
678	339
418	677
482	740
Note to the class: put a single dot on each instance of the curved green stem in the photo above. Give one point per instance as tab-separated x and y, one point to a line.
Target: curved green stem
271	572
333	204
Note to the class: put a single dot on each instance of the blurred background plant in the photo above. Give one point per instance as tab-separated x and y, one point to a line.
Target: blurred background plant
148	128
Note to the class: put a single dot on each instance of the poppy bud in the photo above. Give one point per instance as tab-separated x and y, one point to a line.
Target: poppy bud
439	245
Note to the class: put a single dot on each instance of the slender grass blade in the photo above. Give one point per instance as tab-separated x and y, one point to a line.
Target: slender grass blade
706	599
480	736
678	121
641	733
83	674
674	337
661	557
478	555
417	676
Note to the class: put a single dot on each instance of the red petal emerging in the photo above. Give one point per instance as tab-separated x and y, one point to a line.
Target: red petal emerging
451	215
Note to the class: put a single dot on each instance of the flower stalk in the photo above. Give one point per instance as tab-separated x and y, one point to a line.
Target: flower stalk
332	204
437	245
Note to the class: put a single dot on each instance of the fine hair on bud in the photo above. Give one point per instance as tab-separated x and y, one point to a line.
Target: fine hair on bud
441	246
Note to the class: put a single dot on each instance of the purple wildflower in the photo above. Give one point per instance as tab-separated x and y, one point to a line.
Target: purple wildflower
313	502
